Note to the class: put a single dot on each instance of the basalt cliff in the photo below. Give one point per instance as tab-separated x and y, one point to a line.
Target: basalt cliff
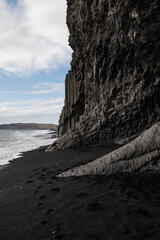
112	91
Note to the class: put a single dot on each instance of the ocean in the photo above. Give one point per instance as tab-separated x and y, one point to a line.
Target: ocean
14	142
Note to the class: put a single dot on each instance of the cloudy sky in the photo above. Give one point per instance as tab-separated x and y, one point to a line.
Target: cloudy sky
34	58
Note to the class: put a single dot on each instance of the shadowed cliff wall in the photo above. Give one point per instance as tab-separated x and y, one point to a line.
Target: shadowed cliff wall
113	87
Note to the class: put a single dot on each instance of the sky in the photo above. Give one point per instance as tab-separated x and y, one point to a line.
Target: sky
34	59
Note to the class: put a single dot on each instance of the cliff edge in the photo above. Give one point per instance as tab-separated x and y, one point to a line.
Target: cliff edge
112	91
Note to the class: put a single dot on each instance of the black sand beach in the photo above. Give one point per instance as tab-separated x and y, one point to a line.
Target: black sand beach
34	205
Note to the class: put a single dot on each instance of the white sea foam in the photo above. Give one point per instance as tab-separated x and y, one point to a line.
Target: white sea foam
14	142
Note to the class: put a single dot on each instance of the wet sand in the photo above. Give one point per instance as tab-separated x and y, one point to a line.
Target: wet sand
34	205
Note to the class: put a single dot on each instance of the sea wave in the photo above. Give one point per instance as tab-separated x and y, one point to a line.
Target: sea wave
14	142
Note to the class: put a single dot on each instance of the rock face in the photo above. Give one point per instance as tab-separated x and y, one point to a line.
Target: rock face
113	87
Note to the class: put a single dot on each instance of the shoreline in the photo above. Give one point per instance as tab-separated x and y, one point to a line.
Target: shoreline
22	155
34	204
12	147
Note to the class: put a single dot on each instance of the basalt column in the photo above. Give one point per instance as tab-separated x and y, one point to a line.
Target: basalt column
113	87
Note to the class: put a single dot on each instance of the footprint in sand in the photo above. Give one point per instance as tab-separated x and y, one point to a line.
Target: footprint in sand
93	237
42	178
50	183
143	212
44	169
29	181
42	197
57	190
37	174
40	204
49	211
42	175
82	195
44	223
95	207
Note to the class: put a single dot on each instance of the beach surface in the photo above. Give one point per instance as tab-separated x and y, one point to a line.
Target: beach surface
35	205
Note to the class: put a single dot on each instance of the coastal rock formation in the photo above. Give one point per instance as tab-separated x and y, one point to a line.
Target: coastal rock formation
112	89
141	154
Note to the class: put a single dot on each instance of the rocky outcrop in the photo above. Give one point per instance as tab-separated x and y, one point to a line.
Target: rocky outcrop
141	154
112	89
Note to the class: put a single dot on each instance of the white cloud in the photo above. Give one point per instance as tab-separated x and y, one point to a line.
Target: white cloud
33	36
26	111
40	88
45	87
9	92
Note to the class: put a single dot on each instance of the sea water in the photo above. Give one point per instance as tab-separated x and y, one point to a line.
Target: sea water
14	142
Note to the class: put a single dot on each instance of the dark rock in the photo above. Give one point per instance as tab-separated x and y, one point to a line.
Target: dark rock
112	89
